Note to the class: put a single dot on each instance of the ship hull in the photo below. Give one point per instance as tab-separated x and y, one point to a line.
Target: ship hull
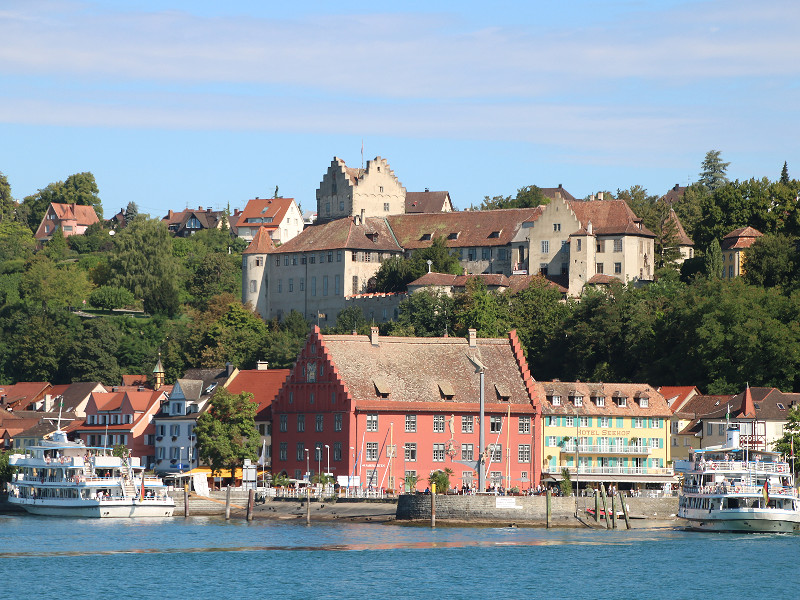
96	510
751	521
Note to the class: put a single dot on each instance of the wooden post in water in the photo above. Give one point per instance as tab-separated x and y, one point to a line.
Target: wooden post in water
549	511
251	495
185	499
624	511
596	505
433	505
308	505
228	503
605	511
613	511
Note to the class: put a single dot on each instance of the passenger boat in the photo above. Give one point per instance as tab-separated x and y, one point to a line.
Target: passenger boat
730	488
63	478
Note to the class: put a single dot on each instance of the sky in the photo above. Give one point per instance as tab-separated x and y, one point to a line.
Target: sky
174	104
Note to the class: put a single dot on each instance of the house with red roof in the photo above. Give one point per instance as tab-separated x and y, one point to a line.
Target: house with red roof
428	202
734	248
280	217
591	242
382	411
23	395
122	418
264	384
72	219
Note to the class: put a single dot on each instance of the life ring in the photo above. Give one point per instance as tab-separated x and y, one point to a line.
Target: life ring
737	489
713	466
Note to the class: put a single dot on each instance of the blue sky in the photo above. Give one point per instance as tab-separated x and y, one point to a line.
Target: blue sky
173	104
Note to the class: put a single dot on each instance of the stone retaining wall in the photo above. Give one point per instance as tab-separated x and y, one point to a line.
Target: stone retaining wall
522	508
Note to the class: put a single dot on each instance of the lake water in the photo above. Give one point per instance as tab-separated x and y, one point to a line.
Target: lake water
204	557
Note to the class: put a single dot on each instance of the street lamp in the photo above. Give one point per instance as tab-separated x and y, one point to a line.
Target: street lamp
577	458
480	369
328	450
308	469
318	450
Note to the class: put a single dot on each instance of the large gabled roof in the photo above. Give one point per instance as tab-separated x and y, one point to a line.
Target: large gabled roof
259	209
426	202
462	228
633	393
430	373
344	234
766	404
556	192
608	217
21	395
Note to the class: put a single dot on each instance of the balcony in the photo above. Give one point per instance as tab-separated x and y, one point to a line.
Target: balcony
606	449
610	470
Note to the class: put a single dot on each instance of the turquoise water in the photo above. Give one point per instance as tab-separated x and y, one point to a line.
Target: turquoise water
204	557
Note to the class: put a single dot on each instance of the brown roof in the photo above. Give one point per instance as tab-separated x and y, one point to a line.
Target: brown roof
674	195
208	219
134	380
415	370
460	281
426	202
261	244
765	403
602	279
517	283
557	192
608	217
467	228
348	233
76	393
680	232
657	405
676	395
744	237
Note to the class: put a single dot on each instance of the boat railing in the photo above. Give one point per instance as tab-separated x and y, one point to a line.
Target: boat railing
583	469
774	490
736	465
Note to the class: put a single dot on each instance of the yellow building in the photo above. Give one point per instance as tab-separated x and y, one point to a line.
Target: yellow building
622	431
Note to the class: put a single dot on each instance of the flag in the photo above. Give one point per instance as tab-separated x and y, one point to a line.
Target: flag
262	460
765	492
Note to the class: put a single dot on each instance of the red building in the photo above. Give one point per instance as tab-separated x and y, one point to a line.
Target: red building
381	408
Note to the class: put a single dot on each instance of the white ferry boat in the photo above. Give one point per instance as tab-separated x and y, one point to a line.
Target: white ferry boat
738	489
63	478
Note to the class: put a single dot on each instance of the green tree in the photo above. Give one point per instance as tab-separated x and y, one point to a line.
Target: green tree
49	285
6	470
529	196
351	319
785	173
425	313
773	261
93	353
7	205
16	241
110	297
131	212
566	483
226	433
142	262
396	273
713	260
478	308
80	188
712	175
441	479
56	249
214	274
789	443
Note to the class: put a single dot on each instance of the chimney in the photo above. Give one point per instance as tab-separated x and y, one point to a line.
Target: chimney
589	228
262	365
427	190
229	368
48	403
208	210
200	208
363	213
591	197
169	214
140	389
560	186
472	338
600	195
355	332
373	336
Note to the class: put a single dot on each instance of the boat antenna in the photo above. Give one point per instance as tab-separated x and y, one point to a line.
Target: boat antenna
60	407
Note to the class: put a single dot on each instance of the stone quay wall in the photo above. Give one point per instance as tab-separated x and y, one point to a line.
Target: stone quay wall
512	509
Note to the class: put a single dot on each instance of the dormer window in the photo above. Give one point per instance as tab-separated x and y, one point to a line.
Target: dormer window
621	401
453	235
494	234
577	400
425	237
600	400
644	402
555	400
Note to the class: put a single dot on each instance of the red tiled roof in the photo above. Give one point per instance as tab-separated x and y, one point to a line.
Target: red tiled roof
264	385
83	215
470	228
517	283
556	192
460	281
134	380
21	395
680	232
262	243
260	208
743	237
348	233
602	279
676	395
426	202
